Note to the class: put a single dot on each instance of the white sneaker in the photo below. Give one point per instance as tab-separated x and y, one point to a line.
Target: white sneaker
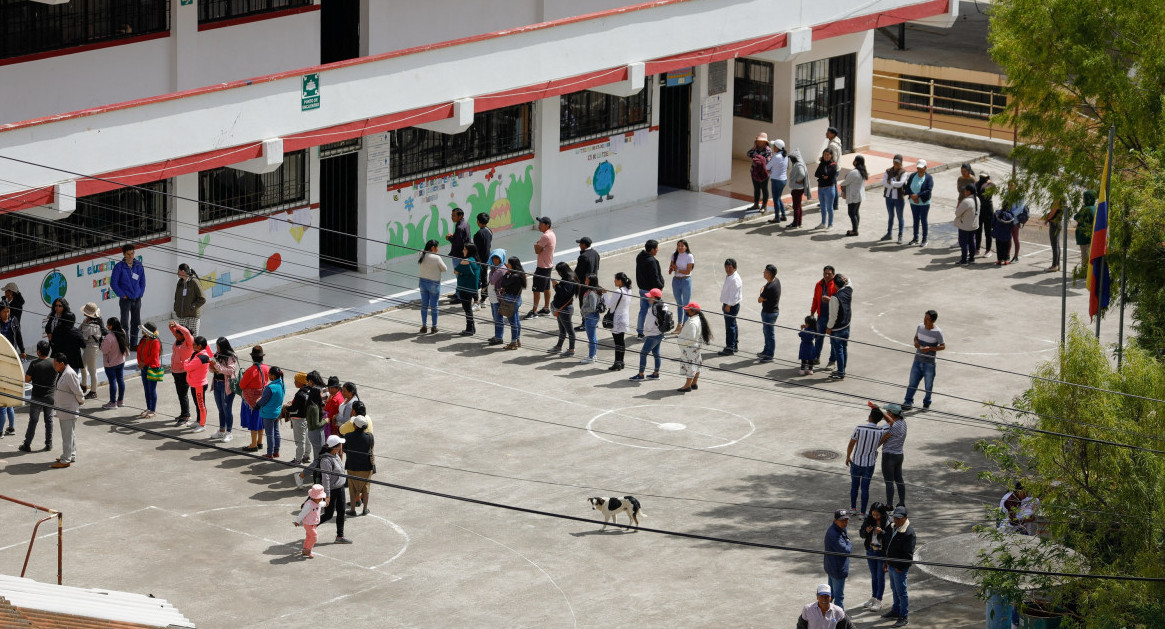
821	226
923	244
227	437
586	360
831	365
872	604
197	429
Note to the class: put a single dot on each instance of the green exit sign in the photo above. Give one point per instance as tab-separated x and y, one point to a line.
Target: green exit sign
186	2
310	91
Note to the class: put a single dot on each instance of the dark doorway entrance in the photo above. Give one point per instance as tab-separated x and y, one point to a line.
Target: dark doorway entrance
675	127
842	74
339	30
339	212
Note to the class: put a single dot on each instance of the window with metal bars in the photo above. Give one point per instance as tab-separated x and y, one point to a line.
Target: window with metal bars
228	194
753	90
811	91
218	10
101	222
588	114
953	98
494	135
31	27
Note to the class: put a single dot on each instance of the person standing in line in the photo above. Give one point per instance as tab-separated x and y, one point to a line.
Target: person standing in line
483	239
512	287
966	178
495	273
877	522
150	366
928	341
309	519
68	398
1001	232
58	311
349	399
15	299
893	443
10	328
967	221
468	274
778	168
589	309
93	331
853	190
564	291
985	191
331	473
544	249
332	403
251	385
693	335
225	368
129	284
840	315
314	418
180	351
586	265
808	336
197	369
899	544
1018	206
457	241
42	374
654	336
296	414
188	299
114	353
648	276
833	144
1085	222
861	455
837	567
618	304
823	291
67	340
892	184
682	263
359	450
1053	219
826	175
270	406
430	267
731	294
770	308
800	185
758	157
919	186
823	614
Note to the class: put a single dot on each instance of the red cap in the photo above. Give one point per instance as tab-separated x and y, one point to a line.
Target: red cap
655	293
692	306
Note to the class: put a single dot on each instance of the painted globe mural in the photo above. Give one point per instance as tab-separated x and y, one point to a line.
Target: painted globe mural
53	285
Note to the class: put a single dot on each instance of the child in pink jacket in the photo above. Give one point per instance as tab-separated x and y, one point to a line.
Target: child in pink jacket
309	518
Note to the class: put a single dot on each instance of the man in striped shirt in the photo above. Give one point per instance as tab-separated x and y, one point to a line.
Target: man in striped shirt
861	456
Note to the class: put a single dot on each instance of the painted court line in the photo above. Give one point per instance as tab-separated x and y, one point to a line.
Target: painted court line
79	526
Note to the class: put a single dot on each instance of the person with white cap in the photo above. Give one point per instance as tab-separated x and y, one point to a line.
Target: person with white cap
358	450
15	299
918	189
823	613
759	156
778	176
333	480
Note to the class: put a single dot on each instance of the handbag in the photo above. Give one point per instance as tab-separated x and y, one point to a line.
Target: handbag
506	307
155	374
609	318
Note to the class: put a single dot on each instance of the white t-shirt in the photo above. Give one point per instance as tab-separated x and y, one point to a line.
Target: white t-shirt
682	262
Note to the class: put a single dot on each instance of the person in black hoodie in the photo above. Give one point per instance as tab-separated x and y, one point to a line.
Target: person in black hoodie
839	319
586	265
648	275
67	340
483	239
564	291
872	530
899	543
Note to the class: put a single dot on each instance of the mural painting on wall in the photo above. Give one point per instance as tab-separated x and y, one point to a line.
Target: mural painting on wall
217	284
506	203
602	180
55	284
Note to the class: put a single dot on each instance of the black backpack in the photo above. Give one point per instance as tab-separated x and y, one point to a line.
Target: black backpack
664	318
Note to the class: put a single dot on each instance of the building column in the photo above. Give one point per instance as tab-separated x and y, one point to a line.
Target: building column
711	136
547	116
184	43
184	222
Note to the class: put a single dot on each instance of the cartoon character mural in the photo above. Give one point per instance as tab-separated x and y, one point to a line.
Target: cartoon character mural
410	237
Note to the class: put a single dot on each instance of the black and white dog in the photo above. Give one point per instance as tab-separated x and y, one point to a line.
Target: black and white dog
611	507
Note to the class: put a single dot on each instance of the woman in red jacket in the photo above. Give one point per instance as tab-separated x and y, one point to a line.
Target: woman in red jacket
150	364
179	353
251	385
197	368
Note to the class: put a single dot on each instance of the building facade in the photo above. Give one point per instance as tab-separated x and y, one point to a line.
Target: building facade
263	140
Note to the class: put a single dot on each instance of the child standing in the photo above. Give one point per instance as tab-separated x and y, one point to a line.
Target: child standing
309	518
808	337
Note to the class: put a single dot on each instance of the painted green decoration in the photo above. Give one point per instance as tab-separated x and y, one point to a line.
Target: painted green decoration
409	238
519	193
482	202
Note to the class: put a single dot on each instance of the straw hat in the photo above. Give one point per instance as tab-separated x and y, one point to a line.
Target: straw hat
91	310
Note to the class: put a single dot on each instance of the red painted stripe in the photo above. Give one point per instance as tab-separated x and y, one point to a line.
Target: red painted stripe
84	48
397	187
107	253
251	219
879	20
257	17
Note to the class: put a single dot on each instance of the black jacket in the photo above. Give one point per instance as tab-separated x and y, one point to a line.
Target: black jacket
899	546
483	240
460	239
564	293
841	302
67	339
588	262
869	537
647	272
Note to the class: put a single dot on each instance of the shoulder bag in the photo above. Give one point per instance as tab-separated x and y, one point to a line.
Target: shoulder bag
609	318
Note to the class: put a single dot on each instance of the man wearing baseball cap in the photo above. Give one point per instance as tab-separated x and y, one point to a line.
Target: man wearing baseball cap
899	545
544	249
823	614
587	264
837	567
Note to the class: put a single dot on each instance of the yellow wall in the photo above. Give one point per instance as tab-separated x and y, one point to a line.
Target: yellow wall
886	97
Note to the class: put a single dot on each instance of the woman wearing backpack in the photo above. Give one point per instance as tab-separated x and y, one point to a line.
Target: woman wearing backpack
565	289
589	305
759	155
251	386
226	374
653	333
150	365
693	335
618	304
512	286
1001	231
93	331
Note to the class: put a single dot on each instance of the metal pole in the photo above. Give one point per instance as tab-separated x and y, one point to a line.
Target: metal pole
1064	283
60	547
1120	335
931	124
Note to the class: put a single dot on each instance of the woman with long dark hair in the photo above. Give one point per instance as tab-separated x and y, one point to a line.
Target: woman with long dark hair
589	306
197	370
58	310
150	365
251	386
431	266
565	289
114	352
853	190
826	174
512	287
876	523
188	299
618	304
225	368
693	335
682	263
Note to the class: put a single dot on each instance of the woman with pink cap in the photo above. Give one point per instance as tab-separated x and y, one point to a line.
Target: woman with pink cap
309	518
694	334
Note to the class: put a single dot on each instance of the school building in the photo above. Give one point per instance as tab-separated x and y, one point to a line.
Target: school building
266	140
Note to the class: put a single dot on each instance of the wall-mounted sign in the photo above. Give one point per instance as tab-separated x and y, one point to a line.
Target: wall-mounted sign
310	91
683	76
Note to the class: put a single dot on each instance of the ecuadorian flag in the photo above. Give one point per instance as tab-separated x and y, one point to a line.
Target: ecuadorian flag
1098	277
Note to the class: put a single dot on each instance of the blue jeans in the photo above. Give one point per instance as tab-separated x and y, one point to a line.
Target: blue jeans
224	399
131	318
150	388
644	308
681	287
898	587
591	322
894	206
430	295
650	346
499	324
837	587
838	344
920	371
271	427
10	414
515	321
920	213
768	326
827	197
116	377
778	190
819	342
877	577
731	330
859	475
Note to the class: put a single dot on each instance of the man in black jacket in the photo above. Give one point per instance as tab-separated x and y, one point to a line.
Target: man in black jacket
483	239
840	312
67	340
647	276
457	241
588	263
899	544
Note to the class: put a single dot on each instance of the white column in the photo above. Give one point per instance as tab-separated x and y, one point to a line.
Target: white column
184	42
184	221
547	113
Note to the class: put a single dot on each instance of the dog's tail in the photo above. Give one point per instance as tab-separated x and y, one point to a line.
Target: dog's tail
634	505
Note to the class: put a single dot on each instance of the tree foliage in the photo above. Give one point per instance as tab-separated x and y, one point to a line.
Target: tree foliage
1106	503
1075	68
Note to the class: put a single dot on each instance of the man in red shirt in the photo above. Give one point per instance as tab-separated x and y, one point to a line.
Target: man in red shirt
332	406
822	291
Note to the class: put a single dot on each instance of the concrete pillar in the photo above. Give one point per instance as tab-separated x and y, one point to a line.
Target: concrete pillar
547	113
184	221
184	45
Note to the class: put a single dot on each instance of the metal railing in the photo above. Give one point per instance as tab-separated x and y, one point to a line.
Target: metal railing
52	513
920	107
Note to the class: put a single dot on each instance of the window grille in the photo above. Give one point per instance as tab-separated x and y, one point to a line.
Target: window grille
494	135
218	10
229	194
811	91
953	98
101	222
587	114
31	27
753	87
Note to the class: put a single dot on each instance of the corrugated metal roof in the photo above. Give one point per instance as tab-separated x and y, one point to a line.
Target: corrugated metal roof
26	594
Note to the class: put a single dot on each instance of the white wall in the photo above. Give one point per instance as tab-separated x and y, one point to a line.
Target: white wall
711	156
399	24
257	48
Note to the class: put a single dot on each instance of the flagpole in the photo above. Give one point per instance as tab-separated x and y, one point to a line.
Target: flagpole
1120	338
1108	200
1064	279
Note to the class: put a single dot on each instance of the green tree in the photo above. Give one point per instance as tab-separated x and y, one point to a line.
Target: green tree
1075	68
1104	502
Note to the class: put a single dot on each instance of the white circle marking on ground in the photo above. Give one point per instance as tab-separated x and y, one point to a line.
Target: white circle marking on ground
911	345
687	409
